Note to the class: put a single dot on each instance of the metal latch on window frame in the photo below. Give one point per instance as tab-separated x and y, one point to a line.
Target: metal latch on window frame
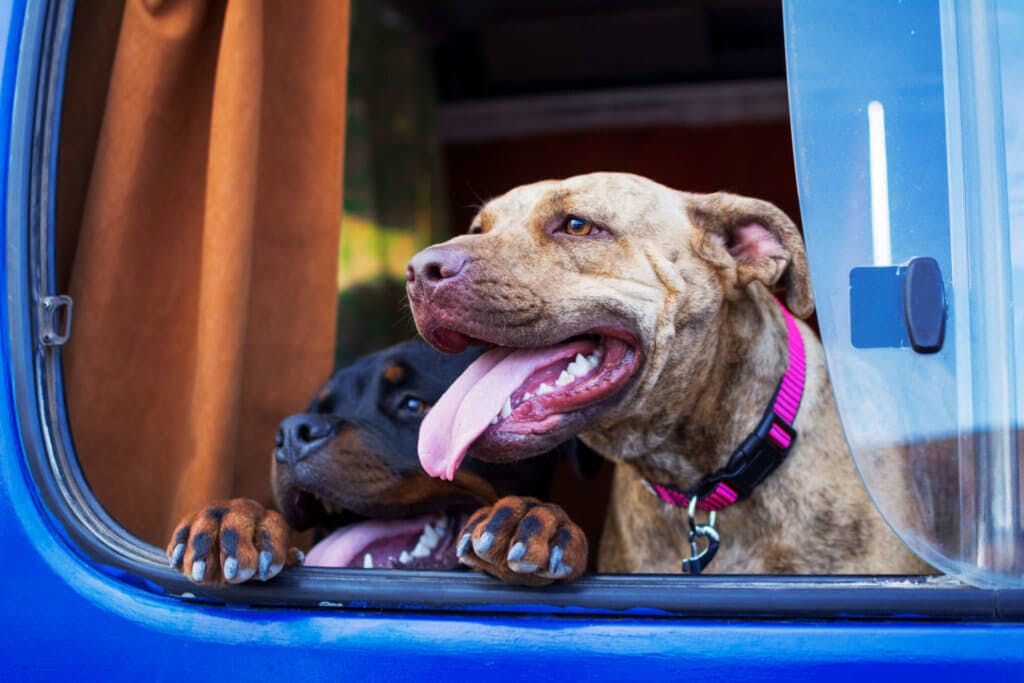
55	319
898	306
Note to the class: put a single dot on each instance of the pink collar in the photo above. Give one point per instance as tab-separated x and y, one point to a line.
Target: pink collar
762	451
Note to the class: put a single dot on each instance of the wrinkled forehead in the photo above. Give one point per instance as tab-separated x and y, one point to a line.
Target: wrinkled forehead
618	200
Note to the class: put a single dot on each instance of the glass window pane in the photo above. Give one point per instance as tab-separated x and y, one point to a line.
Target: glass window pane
907	133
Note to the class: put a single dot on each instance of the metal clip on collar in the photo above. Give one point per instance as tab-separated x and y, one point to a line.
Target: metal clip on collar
700	559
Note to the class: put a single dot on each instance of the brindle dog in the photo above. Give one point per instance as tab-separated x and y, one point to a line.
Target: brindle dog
348	467
654	310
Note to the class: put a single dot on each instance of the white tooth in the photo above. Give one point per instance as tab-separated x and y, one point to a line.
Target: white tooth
420	551
441	525
593	360
527	396
495	420
428	539
544	389
367	561
506	410
579	367
564	378
405	557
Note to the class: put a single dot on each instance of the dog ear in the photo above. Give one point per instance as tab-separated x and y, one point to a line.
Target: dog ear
762	243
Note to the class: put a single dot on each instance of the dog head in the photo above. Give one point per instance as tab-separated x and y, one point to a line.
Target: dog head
602	298
353	453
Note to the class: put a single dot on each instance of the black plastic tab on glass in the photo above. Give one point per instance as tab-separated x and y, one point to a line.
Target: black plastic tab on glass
924	304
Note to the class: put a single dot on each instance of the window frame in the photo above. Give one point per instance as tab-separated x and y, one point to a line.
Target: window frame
77	517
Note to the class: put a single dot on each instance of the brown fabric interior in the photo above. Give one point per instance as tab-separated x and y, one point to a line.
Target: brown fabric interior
198	213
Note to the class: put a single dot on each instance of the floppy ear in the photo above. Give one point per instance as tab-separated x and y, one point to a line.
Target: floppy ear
762	243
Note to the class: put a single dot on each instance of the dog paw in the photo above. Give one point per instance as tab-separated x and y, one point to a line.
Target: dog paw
230	542
524	541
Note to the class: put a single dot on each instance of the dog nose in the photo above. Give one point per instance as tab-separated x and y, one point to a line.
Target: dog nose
435	265
300	435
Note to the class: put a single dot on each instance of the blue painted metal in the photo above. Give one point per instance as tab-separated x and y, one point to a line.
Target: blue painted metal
62	617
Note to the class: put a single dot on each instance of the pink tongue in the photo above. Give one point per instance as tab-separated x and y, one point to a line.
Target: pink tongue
341	547
467	408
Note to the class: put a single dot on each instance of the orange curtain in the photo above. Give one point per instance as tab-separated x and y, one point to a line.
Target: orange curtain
198	228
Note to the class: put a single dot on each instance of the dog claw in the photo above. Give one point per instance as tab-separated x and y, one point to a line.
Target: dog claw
517	552
231	568
244	575
265	559
522	567
463	548
177	555
484	543
523	541
198	570
556	559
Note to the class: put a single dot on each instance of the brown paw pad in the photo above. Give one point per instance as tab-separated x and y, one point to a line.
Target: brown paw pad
231	542
524	541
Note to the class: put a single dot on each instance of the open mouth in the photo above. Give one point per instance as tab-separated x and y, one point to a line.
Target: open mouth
516	403
416	540
425	542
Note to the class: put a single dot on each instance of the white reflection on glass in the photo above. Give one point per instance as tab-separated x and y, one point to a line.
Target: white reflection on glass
880	238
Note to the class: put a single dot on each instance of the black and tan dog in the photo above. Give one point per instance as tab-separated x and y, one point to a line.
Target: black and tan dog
642	318
348	467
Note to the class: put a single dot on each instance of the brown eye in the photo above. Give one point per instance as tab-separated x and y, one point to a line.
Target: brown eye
578	227
414	405
323	403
